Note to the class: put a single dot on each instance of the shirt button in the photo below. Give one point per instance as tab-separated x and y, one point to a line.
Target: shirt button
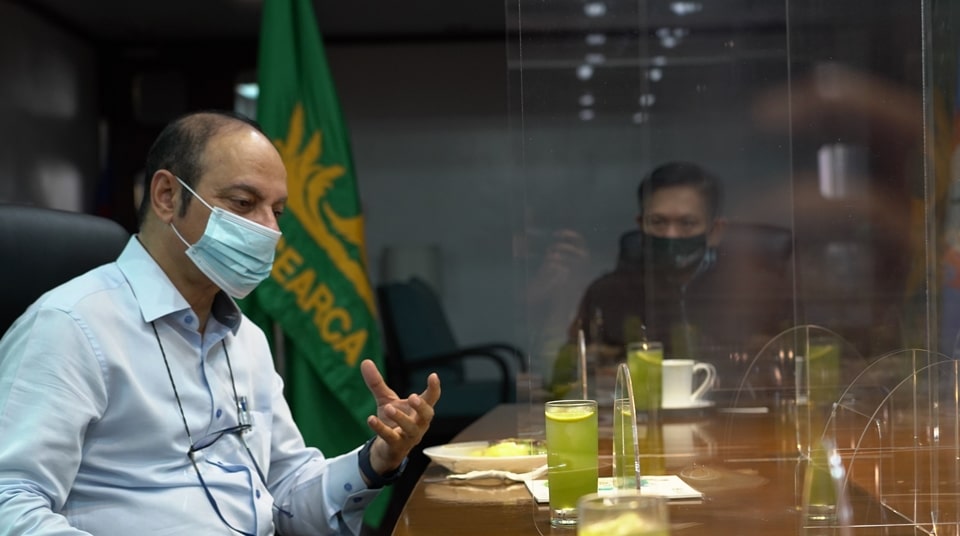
258	494
348	486
219	413
357	499
188	319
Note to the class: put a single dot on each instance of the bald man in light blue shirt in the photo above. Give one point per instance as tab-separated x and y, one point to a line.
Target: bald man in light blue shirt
138	399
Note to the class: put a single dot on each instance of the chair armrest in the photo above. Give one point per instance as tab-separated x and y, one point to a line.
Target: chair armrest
479	352
507	348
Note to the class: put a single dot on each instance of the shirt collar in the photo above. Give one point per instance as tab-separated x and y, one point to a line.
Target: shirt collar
156	294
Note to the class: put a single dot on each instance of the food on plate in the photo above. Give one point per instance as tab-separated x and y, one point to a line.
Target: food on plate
510	448
628	524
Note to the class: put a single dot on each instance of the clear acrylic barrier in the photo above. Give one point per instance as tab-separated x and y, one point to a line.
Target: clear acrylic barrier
804	363
797	376
896	428
626	451
885	432
831	123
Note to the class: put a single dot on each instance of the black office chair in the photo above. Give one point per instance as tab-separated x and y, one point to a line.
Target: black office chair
42	248
420	340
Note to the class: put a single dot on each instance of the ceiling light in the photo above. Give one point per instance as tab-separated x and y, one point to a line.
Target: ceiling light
595	9
248	91
685	8
586	99
586	114
647	99
584	72
671	37
654	75
640	118
596	39
594	58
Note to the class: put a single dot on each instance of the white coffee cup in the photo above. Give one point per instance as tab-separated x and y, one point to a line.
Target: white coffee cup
678	389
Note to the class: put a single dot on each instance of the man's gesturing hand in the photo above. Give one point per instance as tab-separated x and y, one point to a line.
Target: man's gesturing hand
400	422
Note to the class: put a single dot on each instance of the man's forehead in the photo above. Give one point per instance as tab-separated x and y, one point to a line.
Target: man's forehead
241	148
676	199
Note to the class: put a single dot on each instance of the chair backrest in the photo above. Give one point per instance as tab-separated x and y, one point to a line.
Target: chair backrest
766	246
415	325
42	248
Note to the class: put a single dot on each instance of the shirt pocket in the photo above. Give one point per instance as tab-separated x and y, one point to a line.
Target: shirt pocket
258	438
229	453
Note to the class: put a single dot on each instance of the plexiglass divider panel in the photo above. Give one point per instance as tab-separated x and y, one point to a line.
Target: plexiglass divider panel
829	128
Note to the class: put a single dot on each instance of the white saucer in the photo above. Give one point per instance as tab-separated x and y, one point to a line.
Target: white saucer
697	404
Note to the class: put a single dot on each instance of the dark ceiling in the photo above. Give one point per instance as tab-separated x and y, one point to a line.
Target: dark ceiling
173	21
709	54
176	21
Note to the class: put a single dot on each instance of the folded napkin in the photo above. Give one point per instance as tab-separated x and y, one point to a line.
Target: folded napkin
502	475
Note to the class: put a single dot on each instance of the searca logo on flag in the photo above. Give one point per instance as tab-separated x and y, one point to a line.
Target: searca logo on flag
309	183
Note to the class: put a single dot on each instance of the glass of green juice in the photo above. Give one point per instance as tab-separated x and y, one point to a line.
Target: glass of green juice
626	513
645	360
823	369
572	456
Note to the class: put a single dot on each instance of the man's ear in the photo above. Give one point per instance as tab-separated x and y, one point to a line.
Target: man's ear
716	232
164	193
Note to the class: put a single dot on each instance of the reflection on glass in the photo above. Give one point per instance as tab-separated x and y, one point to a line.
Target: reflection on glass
645	362
624	514
825	506
650	443
833	244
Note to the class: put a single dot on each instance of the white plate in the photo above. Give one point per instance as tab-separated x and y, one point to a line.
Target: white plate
698	404
462	458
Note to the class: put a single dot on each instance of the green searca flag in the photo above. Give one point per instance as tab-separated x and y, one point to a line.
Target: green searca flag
318	292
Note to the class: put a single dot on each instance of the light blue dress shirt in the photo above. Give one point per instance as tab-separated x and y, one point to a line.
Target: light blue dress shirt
92	441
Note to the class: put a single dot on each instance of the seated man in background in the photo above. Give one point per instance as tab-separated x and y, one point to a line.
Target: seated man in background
137	398
674	284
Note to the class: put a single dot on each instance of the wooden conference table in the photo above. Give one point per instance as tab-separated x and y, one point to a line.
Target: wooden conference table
746	463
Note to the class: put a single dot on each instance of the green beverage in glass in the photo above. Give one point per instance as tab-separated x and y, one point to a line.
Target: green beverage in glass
645	360
823	362
572	456
652	461
627	513
819	494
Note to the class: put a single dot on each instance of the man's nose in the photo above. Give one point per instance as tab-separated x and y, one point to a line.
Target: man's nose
267	219
673	231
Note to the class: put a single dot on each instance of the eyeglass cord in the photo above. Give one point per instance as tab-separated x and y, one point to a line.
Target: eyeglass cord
186	427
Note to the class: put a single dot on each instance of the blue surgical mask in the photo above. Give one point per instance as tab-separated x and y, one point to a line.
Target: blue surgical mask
234	252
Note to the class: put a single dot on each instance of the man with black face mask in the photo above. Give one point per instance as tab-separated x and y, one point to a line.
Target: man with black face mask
674	283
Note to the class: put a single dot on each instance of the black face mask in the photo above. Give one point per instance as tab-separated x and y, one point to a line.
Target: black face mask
676	254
